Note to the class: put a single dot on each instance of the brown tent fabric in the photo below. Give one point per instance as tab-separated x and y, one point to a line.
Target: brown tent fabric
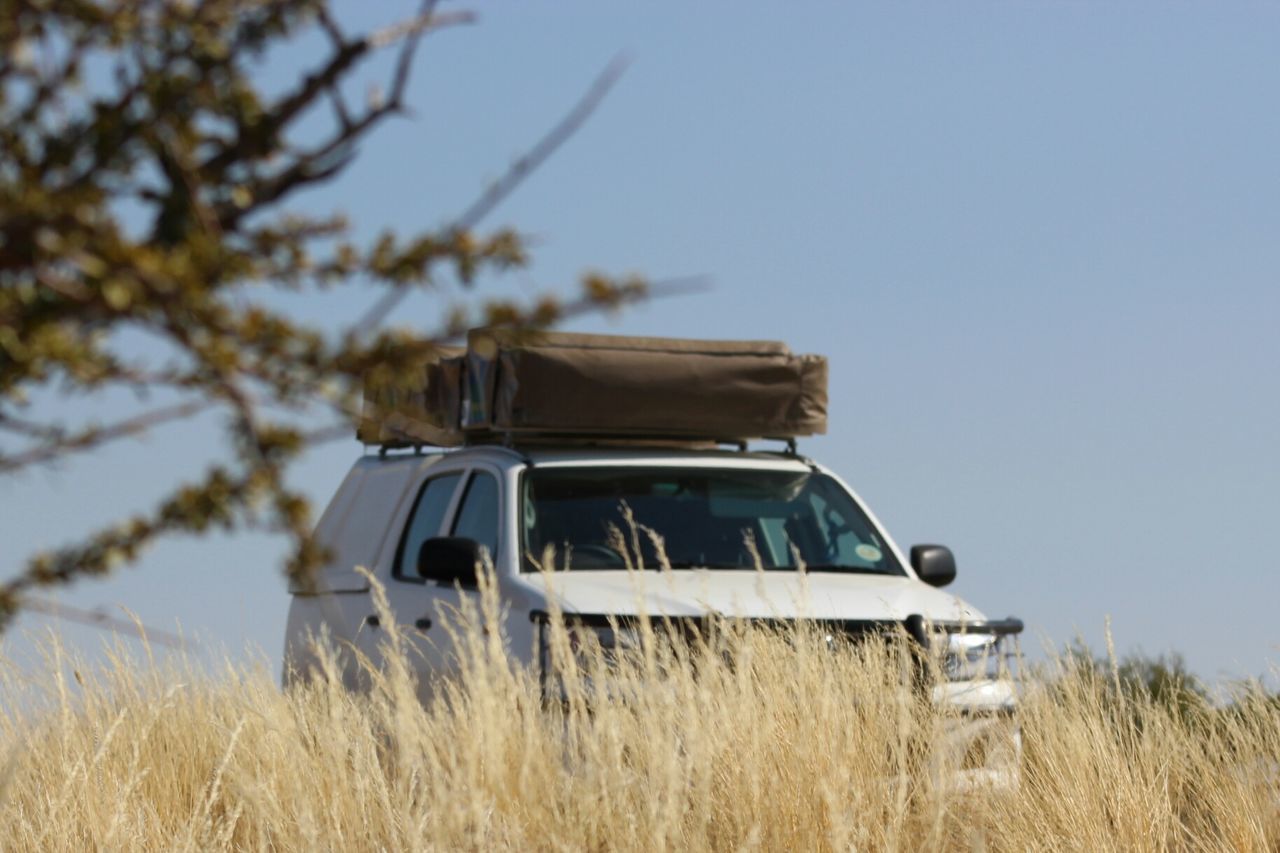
562	385
612	385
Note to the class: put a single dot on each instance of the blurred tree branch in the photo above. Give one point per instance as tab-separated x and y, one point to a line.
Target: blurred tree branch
99	618
143	182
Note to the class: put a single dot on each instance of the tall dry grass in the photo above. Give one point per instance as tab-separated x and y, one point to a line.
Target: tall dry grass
754	741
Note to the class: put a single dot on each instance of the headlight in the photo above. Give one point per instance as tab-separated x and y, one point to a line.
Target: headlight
971	657
968	652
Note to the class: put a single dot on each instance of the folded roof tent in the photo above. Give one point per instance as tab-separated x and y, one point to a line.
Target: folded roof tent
522	385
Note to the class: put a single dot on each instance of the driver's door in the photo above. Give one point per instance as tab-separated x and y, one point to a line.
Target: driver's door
461	501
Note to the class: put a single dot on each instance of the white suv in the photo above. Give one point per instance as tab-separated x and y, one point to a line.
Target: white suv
736	527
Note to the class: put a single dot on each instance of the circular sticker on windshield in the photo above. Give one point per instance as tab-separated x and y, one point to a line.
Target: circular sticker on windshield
870	553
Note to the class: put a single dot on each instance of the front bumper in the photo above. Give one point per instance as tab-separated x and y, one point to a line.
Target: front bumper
980	742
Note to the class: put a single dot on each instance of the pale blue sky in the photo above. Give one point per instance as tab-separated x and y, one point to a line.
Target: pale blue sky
1038	242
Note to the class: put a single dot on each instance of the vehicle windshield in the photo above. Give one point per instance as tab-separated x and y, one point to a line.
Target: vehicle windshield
707	518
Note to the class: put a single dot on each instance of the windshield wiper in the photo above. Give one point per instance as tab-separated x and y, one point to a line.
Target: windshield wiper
817	567
853	570
691	564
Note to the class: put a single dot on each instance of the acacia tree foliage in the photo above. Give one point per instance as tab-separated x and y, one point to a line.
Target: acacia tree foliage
145	186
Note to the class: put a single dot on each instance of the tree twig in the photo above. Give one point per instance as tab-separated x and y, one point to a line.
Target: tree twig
515	175
97	618
92	437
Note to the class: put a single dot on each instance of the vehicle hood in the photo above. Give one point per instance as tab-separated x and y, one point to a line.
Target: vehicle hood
751	594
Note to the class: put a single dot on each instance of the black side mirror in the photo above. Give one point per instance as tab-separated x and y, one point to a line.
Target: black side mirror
935	564
447	559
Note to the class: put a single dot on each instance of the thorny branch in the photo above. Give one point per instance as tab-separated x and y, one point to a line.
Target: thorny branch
180	133
98	618
56	446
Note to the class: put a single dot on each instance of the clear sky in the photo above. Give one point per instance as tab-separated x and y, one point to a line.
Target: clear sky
1039	243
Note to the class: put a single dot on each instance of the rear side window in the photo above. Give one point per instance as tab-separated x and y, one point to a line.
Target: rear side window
424	523
478	517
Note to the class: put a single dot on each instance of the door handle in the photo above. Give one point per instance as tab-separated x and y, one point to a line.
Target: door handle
373	621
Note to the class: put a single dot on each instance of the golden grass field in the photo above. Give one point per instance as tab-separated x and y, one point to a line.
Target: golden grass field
754	742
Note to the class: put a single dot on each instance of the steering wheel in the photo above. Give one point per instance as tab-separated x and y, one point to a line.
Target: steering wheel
605	557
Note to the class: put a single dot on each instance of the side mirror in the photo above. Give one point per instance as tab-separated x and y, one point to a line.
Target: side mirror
447	559
935	564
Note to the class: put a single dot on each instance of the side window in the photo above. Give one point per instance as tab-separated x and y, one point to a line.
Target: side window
478	517
424	523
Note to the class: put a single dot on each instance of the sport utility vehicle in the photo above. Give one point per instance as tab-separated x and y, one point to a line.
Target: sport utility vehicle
755	534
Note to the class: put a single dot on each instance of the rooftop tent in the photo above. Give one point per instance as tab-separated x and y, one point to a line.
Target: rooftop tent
522	384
